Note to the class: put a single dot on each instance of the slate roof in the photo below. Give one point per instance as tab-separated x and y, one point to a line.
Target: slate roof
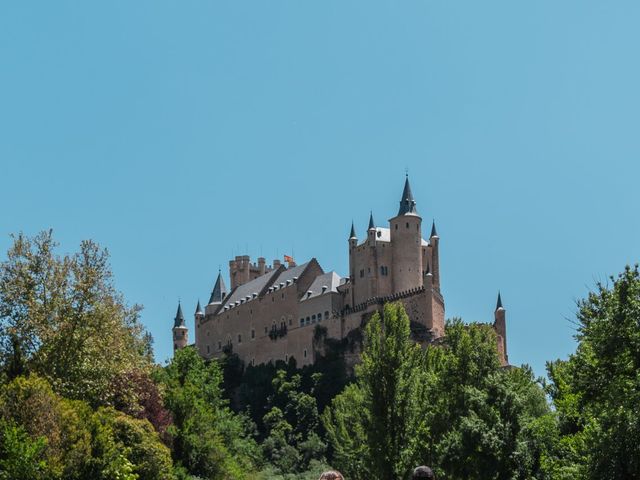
179	320
407	203
353	231
219	290
499	304
290	274
331	280
255	286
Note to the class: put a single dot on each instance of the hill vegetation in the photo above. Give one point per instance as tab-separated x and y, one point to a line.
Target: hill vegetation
81	398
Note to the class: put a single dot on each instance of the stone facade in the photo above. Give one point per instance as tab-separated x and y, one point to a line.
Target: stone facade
271	311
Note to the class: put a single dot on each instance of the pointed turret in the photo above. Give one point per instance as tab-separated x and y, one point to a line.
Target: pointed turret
179	320
434	233
353	231
180	330
372	224
219	290
500	325
407	203
199	309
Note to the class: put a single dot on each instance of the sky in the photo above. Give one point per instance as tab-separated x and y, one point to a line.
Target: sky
180	134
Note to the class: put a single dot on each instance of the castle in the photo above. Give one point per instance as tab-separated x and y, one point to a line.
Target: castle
271	311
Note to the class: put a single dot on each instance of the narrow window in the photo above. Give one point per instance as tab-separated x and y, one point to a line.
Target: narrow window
208	349
396	226
290	321
301	322
239	338
305	353
219	345
253	333
286	357
313	318
407	224
326	315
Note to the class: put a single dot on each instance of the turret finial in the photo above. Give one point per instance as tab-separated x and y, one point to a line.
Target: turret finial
407	203
499	304
179	320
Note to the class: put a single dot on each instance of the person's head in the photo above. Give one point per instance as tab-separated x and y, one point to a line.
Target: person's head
422	472
331	475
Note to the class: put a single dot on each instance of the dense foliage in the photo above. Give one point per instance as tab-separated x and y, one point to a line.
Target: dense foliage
80	397
597	390
452	407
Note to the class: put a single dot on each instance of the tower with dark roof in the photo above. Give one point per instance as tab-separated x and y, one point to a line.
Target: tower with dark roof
180	330
198	314
500	326
434	247
406	243
219	291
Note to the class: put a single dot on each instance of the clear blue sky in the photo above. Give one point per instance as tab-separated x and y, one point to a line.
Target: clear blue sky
178	134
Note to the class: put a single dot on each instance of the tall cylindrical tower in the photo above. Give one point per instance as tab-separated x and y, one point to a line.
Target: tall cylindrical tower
406	244
180	331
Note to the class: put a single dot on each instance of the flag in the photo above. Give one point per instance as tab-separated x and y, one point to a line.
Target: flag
288	259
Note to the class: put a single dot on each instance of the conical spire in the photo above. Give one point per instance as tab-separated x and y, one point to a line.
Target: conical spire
199	309
353	231
219	290
499	304
407	203
179	320
372	224
434	233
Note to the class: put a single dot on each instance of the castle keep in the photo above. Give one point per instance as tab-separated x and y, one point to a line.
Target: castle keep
270	311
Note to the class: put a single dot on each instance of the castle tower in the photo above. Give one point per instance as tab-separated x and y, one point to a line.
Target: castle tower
180	331
199	313
406	244
372	258
219	291
434	243
500	326
353	243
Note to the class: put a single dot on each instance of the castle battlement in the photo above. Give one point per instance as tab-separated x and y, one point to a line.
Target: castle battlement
270	311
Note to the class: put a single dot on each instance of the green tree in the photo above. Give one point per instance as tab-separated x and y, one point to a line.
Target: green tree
451	406
74	442
21	457
62	318
385	407
597	390
292	425
208	439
